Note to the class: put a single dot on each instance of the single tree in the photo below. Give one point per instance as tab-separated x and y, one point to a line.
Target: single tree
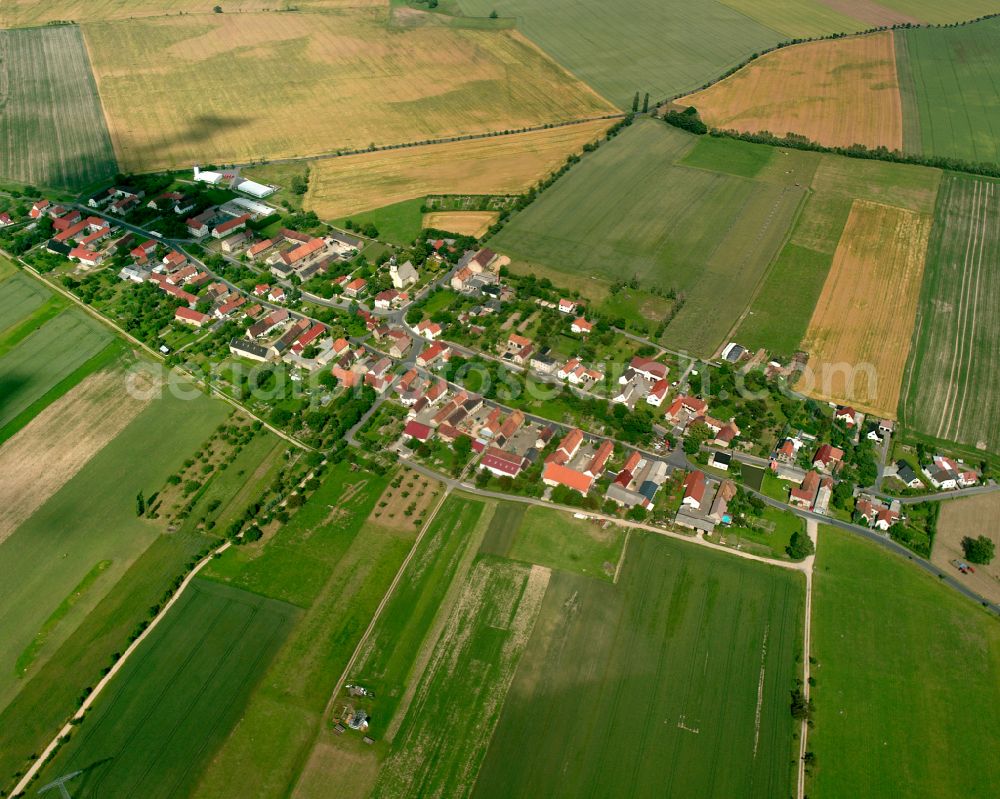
979	550
800	546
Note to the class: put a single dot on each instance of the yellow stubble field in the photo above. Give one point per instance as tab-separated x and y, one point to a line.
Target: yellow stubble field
224	88
497	165
859	334
837	92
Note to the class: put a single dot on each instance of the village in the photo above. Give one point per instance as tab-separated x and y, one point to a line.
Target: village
411	348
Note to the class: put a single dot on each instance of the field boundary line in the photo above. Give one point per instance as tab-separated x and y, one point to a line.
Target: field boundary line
490	134
621	558
812	530
67	729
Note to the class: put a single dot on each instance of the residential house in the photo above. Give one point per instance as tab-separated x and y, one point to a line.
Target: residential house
694	489
432	353
828	458
355	288
428	329
191	317
461	278
719	512
596	466
804	494
648	368
847	415
567	306
236	242
658	393
556	473
581	325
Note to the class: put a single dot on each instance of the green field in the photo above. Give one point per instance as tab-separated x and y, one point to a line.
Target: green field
49	557
664	48
347	566
46	356
905	680
385	662
948	77
555	539
399	223
798	17
446	732
952	386
630	210
90	519
48	697
731	156
178	696
651	687
52	126
21	297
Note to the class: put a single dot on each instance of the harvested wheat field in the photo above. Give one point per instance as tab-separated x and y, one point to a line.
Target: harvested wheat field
838	92
973	517
859	335
238	87
464	223
497	165
22	13
43	456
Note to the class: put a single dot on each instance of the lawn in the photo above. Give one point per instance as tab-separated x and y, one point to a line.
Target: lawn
557	540
905	677
496	165
52	125
664	48
444	737
387	82
950	90
347	565
836	92
771	538
629	210
176	699
634	689
44	357
952	386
